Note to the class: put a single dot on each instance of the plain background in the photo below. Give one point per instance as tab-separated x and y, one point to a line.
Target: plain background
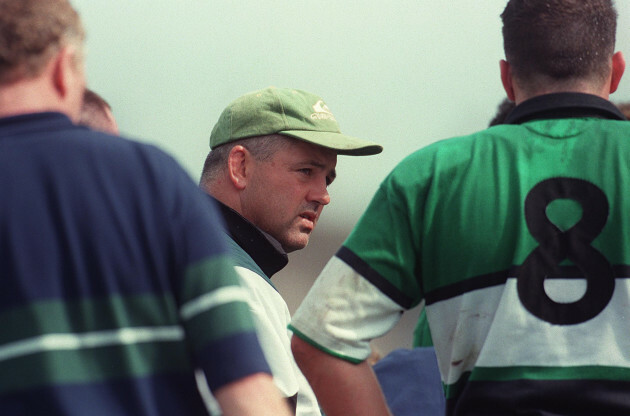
404	73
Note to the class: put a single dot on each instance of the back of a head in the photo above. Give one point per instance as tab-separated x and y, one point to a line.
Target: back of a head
559	41
96	113
31	32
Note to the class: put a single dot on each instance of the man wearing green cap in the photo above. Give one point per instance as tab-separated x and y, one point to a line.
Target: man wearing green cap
274	153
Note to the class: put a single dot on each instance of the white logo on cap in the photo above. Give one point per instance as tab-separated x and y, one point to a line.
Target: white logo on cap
322	112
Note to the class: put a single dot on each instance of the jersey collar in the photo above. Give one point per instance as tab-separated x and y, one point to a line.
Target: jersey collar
563	105
32	123
265	250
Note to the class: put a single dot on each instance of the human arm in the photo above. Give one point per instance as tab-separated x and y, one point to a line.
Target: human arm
359	296
332	328
255	395
342	388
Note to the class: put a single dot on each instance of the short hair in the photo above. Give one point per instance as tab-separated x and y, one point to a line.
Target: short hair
31	32
559	40
261	148
94	111
92	99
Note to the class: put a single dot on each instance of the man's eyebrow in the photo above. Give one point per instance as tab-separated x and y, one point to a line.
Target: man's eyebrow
332	173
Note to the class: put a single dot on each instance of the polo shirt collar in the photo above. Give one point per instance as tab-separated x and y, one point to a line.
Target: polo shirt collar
563	105
33	122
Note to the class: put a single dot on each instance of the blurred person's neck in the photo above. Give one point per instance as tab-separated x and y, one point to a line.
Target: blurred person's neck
25	96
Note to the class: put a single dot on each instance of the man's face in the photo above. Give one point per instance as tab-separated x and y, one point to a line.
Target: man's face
285	194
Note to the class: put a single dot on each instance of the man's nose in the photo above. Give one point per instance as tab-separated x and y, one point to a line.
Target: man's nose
319	193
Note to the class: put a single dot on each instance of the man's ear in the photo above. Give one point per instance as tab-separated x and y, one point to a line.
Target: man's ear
239	166
68	81
506	79
618	68
64	68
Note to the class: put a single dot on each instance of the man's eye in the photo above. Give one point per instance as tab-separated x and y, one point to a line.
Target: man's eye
306	171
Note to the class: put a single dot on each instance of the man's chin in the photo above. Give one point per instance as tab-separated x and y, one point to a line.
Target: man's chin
295	244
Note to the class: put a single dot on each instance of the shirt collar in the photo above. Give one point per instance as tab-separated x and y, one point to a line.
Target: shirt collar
33	122
265	250
563	105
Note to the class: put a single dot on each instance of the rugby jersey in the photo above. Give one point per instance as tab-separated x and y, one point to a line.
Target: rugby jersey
518	240
115	283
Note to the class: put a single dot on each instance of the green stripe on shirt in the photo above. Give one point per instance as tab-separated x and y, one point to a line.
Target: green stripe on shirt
206	329
78	363
56	316
550	373
206	276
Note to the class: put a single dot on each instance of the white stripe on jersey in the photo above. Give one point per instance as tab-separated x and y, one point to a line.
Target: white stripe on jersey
343	311
210	300
486	327
467	332
87	340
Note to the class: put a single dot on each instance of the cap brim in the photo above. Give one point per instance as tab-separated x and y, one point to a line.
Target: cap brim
344	145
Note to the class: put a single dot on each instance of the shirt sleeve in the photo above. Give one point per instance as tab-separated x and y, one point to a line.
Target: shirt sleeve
363	290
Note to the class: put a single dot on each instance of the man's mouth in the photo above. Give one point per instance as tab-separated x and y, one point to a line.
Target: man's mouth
312	217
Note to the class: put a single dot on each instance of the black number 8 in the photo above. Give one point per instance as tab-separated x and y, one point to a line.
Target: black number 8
573	244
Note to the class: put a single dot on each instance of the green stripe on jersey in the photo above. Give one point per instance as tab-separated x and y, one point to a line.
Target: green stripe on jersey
219	322
550	373
208	275
536	373
54	316
87	365
308	340
214	304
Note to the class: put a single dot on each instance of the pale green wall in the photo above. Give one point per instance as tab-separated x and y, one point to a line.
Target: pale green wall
403	73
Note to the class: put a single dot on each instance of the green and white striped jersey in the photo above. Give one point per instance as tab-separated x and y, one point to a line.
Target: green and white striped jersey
518	240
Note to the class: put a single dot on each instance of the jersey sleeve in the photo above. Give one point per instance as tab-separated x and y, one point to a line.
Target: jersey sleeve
371	280
212	305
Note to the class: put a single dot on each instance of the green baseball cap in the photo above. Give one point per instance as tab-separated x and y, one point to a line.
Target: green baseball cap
289	112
